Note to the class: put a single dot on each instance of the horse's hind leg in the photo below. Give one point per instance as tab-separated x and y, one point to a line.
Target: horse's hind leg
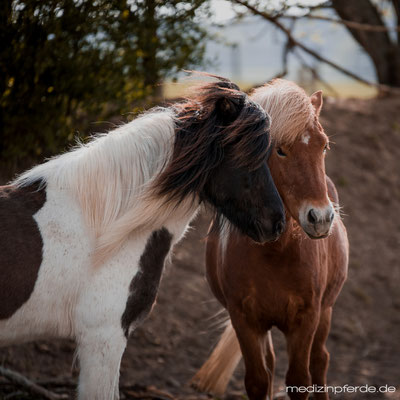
100	354
252	344
270	357
319	354
299	339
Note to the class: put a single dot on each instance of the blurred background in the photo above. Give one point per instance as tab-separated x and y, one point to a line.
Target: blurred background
71	68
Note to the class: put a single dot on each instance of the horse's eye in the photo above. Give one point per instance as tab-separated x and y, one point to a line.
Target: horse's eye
280	152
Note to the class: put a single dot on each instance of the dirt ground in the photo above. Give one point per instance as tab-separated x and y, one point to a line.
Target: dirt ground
364	163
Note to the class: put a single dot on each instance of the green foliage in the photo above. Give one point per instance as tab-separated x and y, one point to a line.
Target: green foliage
66	62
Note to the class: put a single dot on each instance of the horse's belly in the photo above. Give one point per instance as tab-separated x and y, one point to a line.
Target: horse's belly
66	247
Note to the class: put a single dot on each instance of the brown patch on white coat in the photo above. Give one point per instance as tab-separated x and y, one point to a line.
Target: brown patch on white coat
20	244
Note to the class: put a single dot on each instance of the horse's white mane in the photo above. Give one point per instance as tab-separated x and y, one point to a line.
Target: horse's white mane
110	177
289	107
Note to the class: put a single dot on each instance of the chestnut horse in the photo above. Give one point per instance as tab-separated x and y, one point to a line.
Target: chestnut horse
84	236
291	283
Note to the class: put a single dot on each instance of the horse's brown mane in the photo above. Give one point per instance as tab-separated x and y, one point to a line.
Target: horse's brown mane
218	120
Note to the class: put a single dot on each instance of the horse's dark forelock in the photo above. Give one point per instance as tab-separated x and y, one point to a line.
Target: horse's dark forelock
218	121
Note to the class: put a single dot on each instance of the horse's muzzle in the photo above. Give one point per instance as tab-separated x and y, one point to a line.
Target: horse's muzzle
269	229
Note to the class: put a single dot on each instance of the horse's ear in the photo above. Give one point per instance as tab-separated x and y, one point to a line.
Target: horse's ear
316	101
230	107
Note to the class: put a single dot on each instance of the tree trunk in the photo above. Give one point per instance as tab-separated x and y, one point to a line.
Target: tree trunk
150	45
384	53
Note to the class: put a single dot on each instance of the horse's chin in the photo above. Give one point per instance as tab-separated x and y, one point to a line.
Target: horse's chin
261	236
314	236
265	239
325	235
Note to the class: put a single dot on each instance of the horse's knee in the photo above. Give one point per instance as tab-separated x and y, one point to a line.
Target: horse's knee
297	377
320	358
257	387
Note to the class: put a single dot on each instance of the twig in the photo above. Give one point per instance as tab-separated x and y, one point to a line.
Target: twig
148	392
351	24
57	382
288	48
12	395
320	6
29	385
316	75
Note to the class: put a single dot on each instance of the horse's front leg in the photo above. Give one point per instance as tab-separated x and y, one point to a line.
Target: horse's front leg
100	353
115	299
299	339
320	355
100	334
270	358
257	379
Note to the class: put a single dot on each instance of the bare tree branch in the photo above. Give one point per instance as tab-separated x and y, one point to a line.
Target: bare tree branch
316	74
288	48
350	24
380	46
381	87
29	385
320	6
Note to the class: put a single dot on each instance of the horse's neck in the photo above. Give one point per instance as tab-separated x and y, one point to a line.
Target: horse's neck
113	174
111	180
146	216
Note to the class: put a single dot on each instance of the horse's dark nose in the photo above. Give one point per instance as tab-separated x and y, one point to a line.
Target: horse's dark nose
312	217
272	227
317	221
278	224
279	227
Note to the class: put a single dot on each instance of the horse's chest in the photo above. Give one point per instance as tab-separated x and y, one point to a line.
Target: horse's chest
144	285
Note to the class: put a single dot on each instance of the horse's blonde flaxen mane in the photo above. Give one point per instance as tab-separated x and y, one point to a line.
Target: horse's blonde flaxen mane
289	107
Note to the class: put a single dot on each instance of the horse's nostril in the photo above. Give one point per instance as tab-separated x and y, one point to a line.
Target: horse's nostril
312	217
331	216
279	226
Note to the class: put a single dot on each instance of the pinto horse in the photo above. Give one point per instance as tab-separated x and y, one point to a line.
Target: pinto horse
84	236
291	283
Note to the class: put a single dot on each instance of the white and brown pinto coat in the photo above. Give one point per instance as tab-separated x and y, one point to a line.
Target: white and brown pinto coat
84	236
